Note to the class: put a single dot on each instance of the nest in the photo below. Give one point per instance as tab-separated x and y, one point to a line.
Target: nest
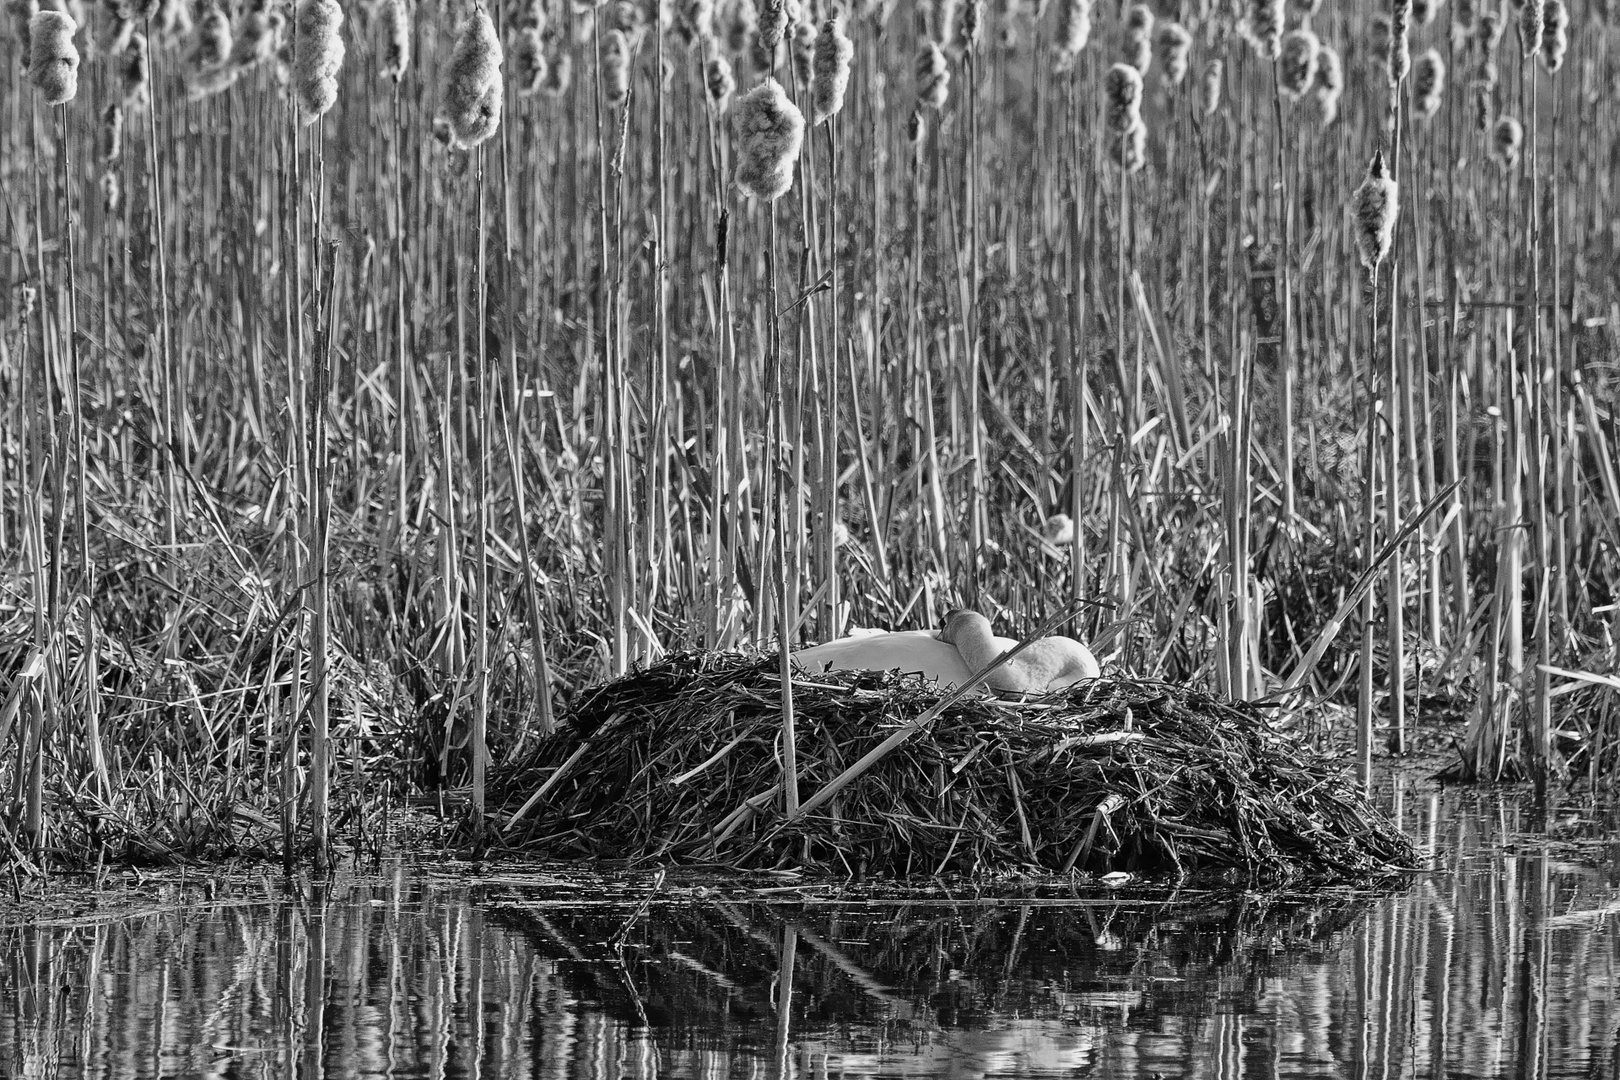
681	762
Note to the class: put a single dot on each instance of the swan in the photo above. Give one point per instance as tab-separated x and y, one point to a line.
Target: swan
953	655
1049	663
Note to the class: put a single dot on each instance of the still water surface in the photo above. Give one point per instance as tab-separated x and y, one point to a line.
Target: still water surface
1499	961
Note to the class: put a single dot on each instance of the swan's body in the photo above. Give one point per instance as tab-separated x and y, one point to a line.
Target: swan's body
1048	664
903	650
951	656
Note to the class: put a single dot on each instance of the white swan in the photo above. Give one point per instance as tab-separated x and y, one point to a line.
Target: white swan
951	656
1048	664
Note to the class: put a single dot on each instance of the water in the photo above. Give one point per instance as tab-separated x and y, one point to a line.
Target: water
1500	961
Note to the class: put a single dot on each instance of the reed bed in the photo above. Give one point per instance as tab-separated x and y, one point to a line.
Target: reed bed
492	381
679	762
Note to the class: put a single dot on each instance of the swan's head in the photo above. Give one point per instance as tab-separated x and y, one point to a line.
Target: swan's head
957	619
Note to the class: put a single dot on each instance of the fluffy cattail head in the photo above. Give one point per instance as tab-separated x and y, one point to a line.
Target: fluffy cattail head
770	130
1128	148
1423	11
134	74
396	35
834	52
1266	27
803	50
1329	85
695	22
1122	94
1530	28
1554	34
112	133
473	95
559	73
771	25
317	56
1174	44
719	81
257	39
615	66
1073	31
1464	17
1139	20
1428	83
528	60
1210	86
1296	64
53	62
1378	202
213	44
1488	32
742	20
1507	137
933	77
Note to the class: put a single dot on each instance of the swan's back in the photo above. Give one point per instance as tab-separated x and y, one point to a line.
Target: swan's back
903	650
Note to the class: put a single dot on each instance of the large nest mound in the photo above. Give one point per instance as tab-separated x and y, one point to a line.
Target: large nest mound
682	762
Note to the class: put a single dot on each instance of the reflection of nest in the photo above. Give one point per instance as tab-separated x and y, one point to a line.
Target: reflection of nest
681	761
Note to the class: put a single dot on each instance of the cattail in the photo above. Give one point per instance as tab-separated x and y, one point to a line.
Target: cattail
625	17
834	52
1423	11
803	50
317	56
533	15
583	26
213	45
1139	20
1465	16
1122	94
53	65
135	75
473	94
112	133
1129	147
1296	62
1488	34
1073	31
720	82
615	67
259	35
1506	139
1554	34
112	192
396	35
1214	75
742	20
174	17
1266	27
771	25
1428	83
969	24
22	13
1174	43
1529	28
1138	50
559	73
1379	39
1485	73
1329	85
528	60
695	22
770	130
140	12
1378	201
933	77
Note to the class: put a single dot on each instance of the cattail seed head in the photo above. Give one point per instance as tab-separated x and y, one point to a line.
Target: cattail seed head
1423	11
1378	202
695	22
1485	73
1129	147
742	20
834	53
1296	62
1329	85
1464	17
1488	32
317	56
559	74
803	50
770	26
112	192
396	35
933	77
1174	45
770	130
1554	34
112	133
1266	27
1139	20
1073	31
615	67
1428	83
1122	96
134	74
473	95
1529	28
259	36
1507	138
528	60
719	81
1214	76
213	45
53	64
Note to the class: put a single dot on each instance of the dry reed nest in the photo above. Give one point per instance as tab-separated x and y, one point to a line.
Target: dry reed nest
681	761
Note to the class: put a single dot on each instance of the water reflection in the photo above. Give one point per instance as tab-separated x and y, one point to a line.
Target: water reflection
1501	962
